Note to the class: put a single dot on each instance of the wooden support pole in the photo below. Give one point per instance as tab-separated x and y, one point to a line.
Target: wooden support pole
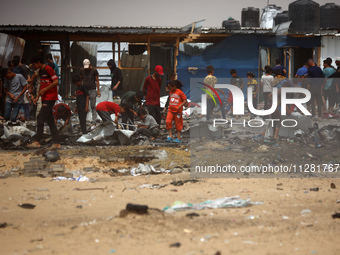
268	56
289	67
65	87
176	54
193	27
119	60
114	51
149	52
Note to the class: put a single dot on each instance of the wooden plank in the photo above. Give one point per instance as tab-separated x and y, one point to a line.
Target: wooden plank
148	47
114	51
176	54
119	60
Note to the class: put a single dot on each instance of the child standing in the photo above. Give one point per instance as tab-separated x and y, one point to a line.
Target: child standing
253	84
237	81
211	80
177	100
82	100
267	85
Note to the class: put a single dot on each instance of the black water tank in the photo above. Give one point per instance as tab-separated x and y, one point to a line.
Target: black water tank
330	16
281	18
231	24
305	17
250	17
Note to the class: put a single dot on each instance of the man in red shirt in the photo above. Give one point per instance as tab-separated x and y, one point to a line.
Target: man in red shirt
106	108
152	92
49	94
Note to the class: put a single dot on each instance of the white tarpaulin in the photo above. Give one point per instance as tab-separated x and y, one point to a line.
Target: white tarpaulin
16	132
107	134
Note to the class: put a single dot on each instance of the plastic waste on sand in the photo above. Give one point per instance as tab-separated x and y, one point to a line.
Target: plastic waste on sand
146	169
225	202
81	178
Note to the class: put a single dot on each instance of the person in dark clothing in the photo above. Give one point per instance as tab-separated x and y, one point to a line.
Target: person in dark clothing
90	79
116	79
133	99
280	67
20	68
315	81
10	65
82	100
2	94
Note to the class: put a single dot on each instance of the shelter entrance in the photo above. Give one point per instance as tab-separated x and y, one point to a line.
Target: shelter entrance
300	57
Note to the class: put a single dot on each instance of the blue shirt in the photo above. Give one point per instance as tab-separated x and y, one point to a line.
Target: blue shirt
279	67
302	71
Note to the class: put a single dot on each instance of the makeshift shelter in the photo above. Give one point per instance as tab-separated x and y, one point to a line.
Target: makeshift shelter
244	52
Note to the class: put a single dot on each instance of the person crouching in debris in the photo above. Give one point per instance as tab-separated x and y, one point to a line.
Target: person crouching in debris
63	111
149	127
82	101
177	100
49	94
134	99
106	108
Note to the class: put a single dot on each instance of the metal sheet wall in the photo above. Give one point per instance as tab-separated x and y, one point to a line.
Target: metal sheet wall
330	47
10	46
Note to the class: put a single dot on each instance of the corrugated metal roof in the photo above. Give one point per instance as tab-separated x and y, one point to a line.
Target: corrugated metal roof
243	30
136	34
95	29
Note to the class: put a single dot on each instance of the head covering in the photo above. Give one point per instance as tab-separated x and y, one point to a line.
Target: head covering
86	63
112	64
159	69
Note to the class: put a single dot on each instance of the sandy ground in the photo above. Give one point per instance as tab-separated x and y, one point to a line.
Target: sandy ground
67	220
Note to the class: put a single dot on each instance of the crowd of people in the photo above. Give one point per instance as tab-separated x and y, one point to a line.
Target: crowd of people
22	86
37	84
322	83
